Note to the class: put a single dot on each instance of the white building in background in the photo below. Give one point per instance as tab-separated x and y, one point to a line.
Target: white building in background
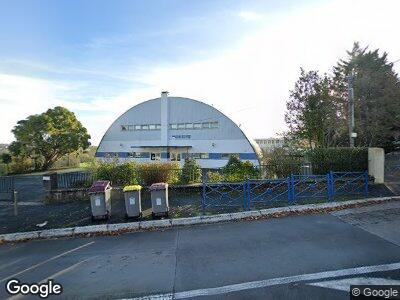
269	144
175	128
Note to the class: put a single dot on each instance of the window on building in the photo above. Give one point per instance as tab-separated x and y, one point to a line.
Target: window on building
130	127
189	125
124	127
138	154
181	126
214	124
174	126
145	127
138	127
158	126
152	126
206	125
175	156
197	125
155	156
204	155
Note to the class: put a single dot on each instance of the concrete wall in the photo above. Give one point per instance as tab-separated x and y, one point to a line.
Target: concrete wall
376	164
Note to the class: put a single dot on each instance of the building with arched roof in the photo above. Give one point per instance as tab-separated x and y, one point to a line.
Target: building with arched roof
175	128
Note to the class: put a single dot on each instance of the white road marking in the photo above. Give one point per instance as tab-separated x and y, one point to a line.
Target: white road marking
55	275
11	263
45	261
271	282
344	284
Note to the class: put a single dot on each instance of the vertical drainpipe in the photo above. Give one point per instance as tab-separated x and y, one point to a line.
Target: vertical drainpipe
164	120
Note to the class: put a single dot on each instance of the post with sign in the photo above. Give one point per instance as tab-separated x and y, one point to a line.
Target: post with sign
50	183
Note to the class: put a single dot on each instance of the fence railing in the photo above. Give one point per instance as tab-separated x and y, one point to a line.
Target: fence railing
7	183
74	180
293	189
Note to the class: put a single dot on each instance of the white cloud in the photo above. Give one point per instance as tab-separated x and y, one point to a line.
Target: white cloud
250	82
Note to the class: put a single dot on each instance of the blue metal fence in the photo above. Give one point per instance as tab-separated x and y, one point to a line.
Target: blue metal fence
293	189
224	195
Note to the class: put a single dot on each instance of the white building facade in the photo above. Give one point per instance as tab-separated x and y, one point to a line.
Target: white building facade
175	128
269	144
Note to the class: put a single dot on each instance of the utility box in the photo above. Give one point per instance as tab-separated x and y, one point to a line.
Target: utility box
159	199
50	181
133	204
100	199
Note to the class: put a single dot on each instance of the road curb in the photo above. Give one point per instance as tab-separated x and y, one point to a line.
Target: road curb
167	223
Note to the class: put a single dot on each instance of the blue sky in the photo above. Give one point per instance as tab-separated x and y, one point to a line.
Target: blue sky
98	58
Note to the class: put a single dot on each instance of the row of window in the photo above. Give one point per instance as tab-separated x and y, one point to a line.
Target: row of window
172	156
141	127
175	126
204	125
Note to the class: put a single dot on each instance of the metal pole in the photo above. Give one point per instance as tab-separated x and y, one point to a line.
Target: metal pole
350	80
15	202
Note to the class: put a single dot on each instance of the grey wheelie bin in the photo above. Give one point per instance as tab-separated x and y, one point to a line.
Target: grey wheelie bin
159	199
100	199
133	203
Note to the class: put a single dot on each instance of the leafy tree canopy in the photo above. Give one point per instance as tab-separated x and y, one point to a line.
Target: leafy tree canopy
48	136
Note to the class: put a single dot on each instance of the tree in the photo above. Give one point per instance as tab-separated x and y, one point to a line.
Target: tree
311	110
191	172
48	136
376	96
5	158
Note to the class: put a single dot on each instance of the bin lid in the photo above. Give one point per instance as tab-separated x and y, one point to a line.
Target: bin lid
130	188
100	186
159	186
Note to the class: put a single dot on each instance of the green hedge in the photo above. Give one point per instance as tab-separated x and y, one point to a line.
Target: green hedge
324	160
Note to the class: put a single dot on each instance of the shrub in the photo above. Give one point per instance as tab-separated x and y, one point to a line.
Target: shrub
191	172
150	173
324	160
236	170
280	164
119	174
214	177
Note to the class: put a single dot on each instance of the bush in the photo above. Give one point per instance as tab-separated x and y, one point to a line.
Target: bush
237	170
191	172
119	174
150	173
280	164
324	160
214	177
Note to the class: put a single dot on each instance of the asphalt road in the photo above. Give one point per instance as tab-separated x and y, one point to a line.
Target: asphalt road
301	257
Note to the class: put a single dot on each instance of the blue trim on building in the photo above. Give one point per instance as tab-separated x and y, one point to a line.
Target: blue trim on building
248	156
215	156
165	155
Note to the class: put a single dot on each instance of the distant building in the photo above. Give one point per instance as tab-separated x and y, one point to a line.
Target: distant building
175	128
269	144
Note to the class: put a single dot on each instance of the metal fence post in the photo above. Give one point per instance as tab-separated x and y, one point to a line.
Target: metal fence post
366	181
329	186
332	184
248	194
289	190
203	206
15	202
293	188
